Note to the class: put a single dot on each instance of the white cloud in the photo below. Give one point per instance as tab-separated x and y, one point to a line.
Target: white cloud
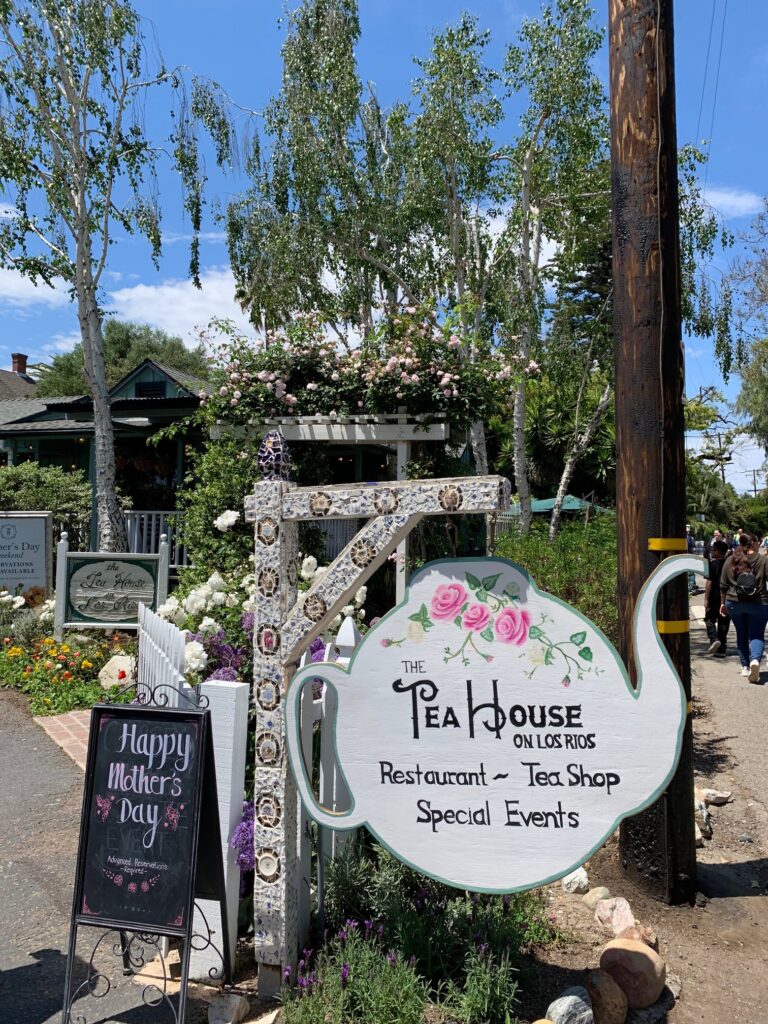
62	342
733	202
172	237
20	292
177	307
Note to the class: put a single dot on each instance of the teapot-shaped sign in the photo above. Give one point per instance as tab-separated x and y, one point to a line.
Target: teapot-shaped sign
488	732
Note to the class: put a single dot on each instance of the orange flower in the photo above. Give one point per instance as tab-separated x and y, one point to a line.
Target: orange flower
49	665
66	675
6	639
61	657
71	664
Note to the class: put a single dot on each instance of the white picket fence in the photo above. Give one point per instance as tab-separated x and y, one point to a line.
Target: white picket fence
160	674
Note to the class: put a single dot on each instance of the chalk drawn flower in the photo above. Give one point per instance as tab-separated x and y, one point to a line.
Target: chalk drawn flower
448	600
512	625
476	617
131	887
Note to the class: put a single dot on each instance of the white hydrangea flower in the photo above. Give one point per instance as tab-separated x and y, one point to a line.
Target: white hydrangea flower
348	609
195	658
361	595
195	602
179	617
18	602
217	582
218	598
308	567
231	601
336	622
208	625
361	614
6	598
226	520
249	605
169	609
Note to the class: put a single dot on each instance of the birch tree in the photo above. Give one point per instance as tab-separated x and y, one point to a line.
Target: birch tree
75	163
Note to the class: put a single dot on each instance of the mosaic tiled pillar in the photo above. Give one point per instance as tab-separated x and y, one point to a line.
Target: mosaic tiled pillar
275	883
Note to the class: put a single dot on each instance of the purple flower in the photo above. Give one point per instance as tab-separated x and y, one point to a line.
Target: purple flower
223	674
286	974
344	975
368	924
392	958
247	623
412	962
242	840
317	649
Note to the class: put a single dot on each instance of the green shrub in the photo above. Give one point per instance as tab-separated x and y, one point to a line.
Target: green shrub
463	944
356	979
579	566
65	493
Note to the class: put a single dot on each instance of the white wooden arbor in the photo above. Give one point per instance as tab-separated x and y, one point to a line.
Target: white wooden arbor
285	626
398	430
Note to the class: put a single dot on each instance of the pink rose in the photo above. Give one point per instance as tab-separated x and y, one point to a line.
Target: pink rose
512	626
476	617
448	600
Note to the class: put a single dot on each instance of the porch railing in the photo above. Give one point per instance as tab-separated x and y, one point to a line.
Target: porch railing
146	528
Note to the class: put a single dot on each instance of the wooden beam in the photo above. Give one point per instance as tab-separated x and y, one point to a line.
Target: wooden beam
342	433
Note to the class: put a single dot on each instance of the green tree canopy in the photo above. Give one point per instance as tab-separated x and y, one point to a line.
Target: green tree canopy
126	345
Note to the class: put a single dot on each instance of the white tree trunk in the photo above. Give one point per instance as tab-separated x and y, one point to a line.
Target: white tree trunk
520	457
580	444
112	535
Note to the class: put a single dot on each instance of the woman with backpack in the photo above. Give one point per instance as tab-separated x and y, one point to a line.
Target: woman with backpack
744	592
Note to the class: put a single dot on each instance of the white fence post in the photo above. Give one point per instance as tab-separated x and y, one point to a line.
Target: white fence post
61	585
228	704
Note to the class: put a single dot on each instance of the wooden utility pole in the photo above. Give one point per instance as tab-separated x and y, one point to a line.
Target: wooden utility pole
658	846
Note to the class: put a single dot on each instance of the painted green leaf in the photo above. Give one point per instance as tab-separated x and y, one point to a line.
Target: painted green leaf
489	582
535	633
422	616
511	591
487	634
482	595
585	653
579	638
457	621
473	581
549	656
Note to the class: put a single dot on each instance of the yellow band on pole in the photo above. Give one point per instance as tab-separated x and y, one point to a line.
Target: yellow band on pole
667	544
672	625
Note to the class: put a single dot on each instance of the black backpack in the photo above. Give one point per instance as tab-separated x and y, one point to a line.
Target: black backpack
746	586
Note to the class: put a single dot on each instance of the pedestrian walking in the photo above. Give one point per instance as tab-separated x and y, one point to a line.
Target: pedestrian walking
744	592
717	624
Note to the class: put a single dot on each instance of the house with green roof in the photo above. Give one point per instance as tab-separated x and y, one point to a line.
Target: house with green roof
59	431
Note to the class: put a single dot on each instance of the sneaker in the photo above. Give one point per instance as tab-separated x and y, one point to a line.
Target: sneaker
714	647
744	670
754	670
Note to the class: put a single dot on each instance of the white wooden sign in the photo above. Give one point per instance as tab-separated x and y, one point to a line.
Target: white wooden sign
26	553
101	589
488	732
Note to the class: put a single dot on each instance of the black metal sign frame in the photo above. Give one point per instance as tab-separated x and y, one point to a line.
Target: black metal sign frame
137	943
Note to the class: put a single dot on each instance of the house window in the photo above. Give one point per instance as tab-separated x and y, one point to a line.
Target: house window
150	389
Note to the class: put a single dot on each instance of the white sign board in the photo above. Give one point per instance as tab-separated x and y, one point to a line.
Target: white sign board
488	733
25	553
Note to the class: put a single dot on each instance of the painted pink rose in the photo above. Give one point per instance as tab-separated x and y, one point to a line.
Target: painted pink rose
448	600
512	625
476	617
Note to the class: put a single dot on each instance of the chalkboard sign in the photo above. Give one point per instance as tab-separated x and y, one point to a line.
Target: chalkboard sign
140	837
150	840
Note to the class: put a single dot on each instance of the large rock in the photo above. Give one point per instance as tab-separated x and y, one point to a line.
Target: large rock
594	896
227	1008
577	881
636	969
609	1004
641	933
120	670
571	1007
657	1012
614	914
716	797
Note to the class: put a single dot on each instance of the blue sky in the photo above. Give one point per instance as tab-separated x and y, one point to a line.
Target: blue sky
237	42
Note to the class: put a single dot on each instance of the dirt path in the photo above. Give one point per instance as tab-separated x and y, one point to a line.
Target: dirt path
719	948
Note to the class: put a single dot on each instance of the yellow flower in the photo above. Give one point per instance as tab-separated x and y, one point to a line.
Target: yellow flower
64	648
14	652
87	664
49	640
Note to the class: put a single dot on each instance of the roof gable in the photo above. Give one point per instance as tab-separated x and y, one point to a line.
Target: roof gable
177	383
